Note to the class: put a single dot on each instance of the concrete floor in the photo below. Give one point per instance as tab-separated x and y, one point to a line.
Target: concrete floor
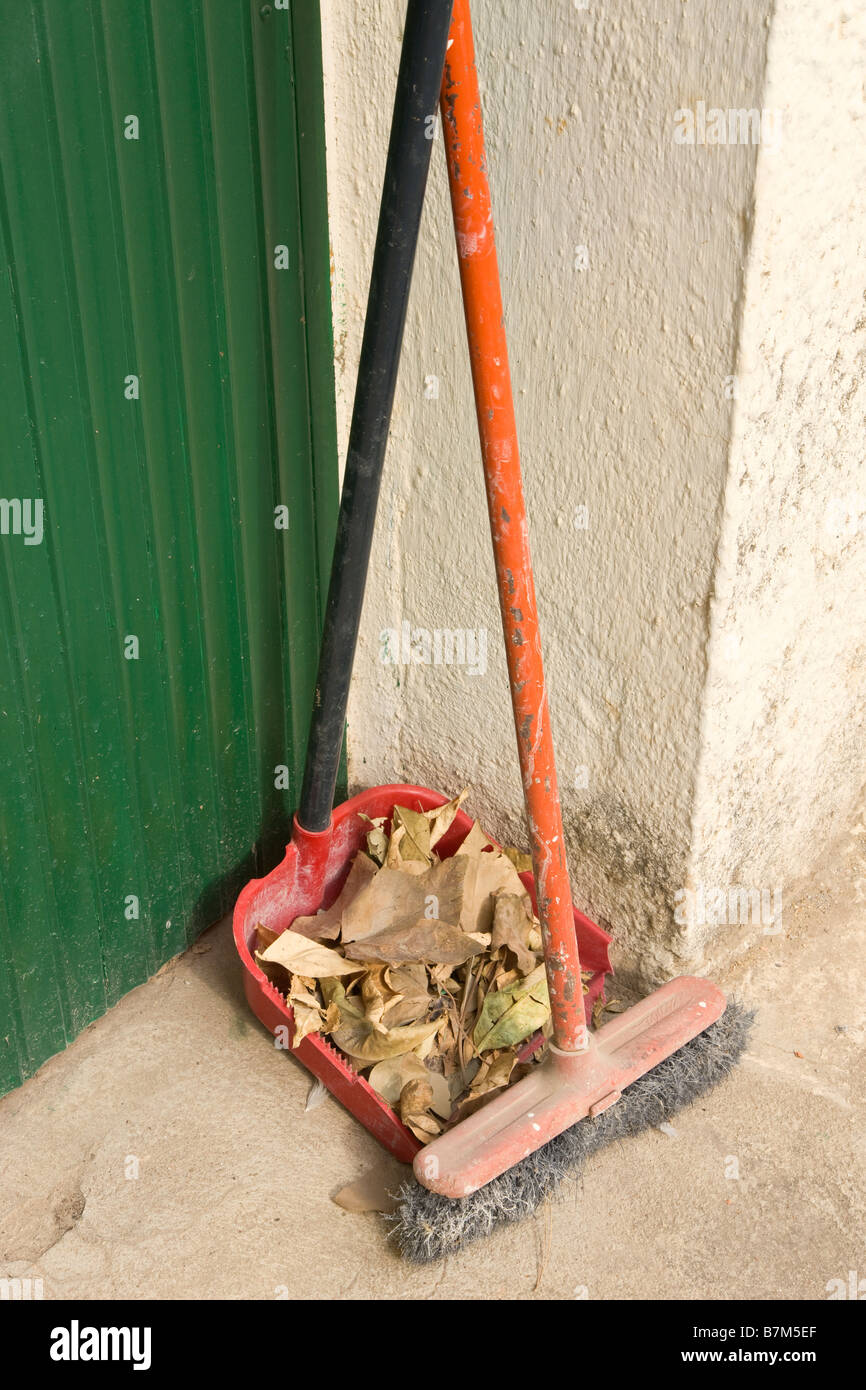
232	1197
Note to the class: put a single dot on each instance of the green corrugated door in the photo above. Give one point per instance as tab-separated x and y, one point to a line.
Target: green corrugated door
167	480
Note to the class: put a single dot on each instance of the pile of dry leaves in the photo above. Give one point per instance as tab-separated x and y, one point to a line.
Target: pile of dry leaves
433	973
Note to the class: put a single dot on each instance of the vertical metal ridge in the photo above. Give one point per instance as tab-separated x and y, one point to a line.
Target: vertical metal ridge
24	704
23	1035
274	110
20	682
16	1064
158	63
48	98
218	262
305	25
111	552
272	337
302	277
143	285
121	223
268	667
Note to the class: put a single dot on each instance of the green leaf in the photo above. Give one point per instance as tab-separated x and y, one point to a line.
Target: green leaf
509	1015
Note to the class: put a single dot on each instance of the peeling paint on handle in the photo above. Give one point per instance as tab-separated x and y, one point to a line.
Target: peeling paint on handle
479	274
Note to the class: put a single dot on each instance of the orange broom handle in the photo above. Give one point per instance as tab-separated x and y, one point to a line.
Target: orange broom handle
482	301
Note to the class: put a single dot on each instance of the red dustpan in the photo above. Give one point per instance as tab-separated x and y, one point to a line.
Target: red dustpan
309	877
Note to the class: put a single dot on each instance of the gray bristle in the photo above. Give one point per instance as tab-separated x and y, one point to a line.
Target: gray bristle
427	1227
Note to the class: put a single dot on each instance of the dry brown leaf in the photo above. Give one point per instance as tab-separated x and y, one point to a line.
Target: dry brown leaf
424	1127
463	1078
427	940
377	845
425	1048
447	1049
474	842
471	1103
473	1100
498	1071
307	1011
410	994
302	956
415	843
488	874
306	1019
469	995
325	926
394	899
375	997
441	972
393	857
264	937
406	1009
372	1192
512	924
298	995
504	978
416	1098
377	840
333	990
390	1077
278	975
407	979
601	1007
522	862
359	1038
441	818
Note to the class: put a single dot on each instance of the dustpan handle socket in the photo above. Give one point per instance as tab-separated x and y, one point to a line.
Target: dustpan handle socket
412	127
311	862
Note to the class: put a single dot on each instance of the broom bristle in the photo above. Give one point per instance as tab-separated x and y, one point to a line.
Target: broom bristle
427	1227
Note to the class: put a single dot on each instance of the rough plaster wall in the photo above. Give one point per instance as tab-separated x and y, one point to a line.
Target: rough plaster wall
619	375
783	748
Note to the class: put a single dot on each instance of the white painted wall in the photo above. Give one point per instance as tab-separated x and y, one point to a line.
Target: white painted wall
621	374
783	751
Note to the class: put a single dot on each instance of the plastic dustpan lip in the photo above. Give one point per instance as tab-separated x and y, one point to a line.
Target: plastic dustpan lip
279	897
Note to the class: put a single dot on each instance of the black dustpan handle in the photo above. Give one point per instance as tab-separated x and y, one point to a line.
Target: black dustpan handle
423	56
